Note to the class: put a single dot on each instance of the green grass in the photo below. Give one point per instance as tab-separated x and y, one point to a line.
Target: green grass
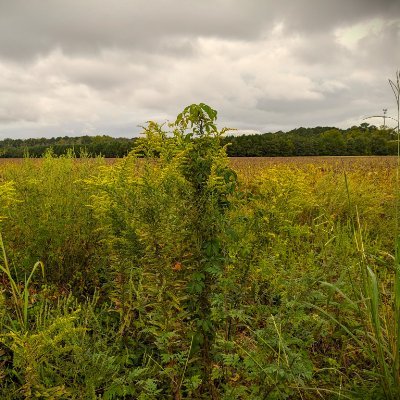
288	276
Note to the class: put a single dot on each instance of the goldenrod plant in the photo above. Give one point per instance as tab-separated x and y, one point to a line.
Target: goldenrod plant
179	273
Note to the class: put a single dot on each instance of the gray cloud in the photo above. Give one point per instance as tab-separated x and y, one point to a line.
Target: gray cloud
38	26
72	67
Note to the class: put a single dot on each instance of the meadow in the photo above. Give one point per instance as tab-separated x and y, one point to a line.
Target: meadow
187	275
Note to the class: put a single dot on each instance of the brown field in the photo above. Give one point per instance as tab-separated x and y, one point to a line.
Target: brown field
384	161
249	165
265	161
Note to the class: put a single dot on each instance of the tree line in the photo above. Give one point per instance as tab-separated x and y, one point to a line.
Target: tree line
320	141
359	140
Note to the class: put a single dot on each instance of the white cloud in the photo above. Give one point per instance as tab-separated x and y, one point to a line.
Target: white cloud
83	68
351	36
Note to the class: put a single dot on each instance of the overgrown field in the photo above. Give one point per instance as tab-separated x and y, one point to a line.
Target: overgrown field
183	275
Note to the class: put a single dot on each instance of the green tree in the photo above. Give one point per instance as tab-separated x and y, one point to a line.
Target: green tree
333	143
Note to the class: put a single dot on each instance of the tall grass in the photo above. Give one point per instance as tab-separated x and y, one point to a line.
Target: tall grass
381	326
151	261
395	85
19	295
46	218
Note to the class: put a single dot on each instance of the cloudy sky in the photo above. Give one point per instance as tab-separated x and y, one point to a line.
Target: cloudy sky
70	67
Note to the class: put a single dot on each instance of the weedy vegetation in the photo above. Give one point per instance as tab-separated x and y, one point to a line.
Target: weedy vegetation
175	273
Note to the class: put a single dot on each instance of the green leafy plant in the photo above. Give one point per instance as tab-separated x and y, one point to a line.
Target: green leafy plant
19	296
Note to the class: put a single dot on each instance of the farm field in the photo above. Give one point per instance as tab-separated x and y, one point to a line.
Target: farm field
258	163
188	275
251	165
371	161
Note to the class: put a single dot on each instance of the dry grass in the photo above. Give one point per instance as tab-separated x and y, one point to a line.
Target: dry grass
257	162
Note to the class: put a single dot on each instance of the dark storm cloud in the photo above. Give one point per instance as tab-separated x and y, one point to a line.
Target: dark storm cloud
99	66
34	27
38	26
323	16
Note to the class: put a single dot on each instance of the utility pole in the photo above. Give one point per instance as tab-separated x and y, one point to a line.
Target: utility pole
384	118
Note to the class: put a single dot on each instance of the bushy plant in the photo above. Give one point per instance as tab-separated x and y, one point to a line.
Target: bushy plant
47	219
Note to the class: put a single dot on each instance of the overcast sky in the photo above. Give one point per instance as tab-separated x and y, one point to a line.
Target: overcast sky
70	67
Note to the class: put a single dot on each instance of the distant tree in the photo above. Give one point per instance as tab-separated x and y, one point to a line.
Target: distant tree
333	143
